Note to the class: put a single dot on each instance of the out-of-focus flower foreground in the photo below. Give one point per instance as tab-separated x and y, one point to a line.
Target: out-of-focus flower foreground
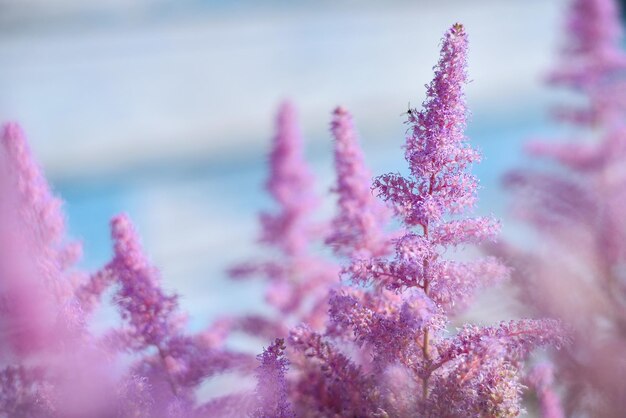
380	294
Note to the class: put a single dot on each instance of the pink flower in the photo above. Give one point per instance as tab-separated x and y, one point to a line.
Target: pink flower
36	266
271	388
298	279
150	313
573	269
358	228
401	319
592	62
291	185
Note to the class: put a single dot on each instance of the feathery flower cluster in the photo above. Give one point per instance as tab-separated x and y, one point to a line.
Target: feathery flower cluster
386	349
592	62
272	387
358	228
290	184
576	274
407	328
298	279
35	257
52	364
378	345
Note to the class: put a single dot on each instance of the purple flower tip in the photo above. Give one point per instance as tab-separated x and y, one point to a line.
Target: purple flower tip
272	387
358	227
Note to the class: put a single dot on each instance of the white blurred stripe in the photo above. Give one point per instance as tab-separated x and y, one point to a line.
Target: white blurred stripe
98	101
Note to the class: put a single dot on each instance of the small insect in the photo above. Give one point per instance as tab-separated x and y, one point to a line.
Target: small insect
409	111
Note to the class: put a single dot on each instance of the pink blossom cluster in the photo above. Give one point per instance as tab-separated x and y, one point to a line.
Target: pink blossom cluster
575	268
366	332
592	63
382	345
53	364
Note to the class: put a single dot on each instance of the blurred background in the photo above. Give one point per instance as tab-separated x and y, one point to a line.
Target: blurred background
164	108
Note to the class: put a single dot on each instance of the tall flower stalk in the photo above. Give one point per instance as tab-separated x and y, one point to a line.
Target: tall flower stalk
592	63
52	365
397	322
575	270
358	229
297	278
